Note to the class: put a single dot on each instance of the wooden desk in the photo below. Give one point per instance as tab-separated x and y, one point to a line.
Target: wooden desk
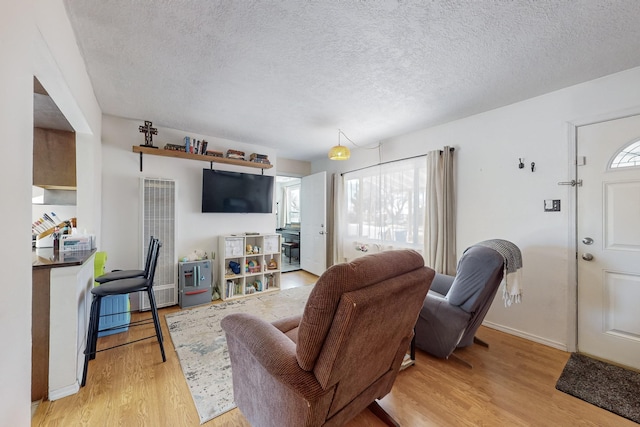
290	240
289	234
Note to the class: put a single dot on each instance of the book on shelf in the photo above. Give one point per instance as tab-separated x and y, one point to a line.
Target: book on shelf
192	145
262	161
235	154
259	158
233	289
174	147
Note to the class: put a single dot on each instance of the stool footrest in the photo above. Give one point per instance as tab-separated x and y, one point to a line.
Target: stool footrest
123	344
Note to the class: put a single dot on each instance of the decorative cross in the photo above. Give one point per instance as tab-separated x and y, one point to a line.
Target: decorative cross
148	133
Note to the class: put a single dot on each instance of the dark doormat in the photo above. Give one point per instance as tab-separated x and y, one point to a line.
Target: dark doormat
610	387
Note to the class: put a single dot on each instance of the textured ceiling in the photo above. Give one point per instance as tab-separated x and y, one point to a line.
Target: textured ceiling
289	73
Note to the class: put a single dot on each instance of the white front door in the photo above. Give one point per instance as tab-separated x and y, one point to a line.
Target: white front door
313	220
608	243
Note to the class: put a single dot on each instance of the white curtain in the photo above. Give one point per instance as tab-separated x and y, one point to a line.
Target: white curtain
382	208
338	219
440	219
284	208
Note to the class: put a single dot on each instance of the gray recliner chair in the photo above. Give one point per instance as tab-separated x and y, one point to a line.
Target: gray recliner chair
455	306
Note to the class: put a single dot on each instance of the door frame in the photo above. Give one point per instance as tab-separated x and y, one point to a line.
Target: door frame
572	288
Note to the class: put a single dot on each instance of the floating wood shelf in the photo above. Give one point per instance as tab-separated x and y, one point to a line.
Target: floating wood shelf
201	157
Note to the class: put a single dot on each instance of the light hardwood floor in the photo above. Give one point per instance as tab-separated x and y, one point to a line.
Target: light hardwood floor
512	383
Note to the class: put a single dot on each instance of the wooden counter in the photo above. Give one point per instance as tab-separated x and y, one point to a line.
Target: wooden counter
48	258
60	290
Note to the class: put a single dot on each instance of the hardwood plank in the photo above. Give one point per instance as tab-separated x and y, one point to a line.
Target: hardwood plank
297	278
512	383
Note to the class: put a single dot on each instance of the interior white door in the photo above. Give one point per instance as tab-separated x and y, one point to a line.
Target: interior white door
609	244
313	220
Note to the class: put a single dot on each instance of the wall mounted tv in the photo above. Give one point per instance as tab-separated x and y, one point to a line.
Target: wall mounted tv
236	192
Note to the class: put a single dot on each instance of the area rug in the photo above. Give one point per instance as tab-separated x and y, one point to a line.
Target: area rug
607	386
202	348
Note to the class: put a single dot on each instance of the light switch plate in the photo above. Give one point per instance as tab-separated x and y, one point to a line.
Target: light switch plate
552	205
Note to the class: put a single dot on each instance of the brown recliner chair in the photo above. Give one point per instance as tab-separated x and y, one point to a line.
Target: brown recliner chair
327	365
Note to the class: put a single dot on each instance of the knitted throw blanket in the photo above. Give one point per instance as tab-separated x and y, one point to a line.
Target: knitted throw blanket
512	291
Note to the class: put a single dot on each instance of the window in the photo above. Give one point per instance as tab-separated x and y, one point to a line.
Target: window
293	204
385	205
629	156
287	201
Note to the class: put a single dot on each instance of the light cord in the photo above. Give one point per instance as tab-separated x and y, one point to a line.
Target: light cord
359	146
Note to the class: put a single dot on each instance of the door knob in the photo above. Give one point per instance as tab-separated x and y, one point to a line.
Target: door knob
587	257
587	240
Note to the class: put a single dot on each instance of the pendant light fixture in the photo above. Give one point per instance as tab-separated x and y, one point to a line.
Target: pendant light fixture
339	152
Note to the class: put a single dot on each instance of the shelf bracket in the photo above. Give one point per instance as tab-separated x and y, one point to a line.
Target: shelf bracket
141	161
211	165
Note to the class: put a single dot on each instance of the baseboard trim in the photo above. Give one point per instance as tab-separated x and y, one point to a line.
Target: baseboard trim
34	407
64	391
526	335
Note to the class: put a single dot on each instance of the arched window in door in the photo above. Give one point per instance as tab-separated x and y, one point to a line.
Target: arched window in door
629	156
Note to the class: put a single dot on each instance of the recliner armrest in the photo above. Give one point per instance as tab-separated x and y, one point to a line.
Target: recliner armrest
436	306
441	283
273	351
440	326
286	324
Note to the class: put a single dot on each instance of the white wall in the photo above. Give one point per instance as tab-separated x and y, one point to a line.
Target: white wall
289	167
498	200
16	130
41	44
121	176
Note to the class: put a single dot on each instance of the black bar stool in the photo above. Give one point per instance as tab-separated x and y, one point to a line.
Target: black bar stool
120	287
128	274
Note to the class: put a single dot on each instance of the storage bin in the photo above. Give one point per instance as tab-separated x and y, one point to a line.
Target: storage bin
114	306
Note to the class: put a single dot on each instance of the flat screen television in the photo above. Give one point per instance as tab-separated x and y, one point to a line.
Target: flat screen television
236	192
